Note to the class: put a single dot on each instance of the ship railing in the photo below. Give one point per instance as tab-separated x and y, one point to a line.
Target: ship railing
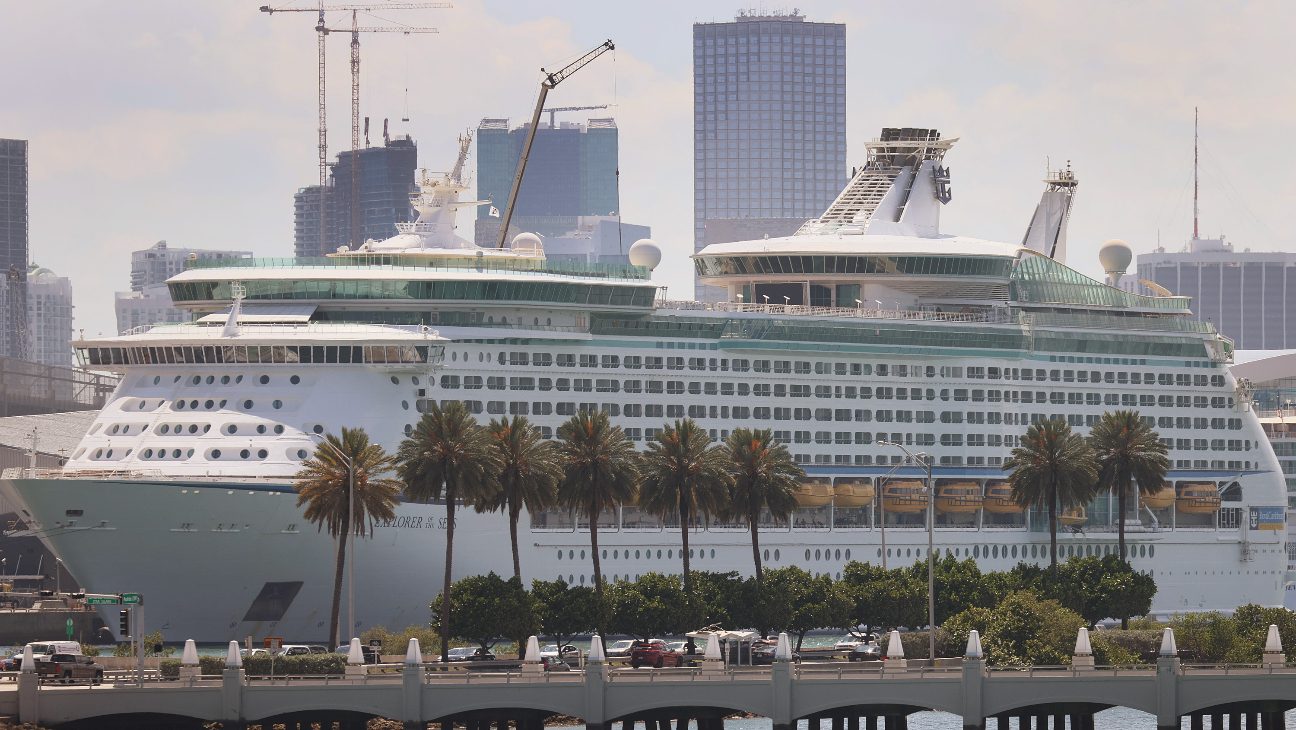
286	328
996	315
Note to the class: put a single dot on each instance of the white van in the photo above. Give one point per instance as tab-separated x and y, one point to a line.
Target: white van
54	647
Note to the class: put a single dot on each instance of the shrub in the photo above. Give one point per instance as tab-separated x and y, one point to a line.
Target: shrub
1134	646
398	642
260	666
1021	630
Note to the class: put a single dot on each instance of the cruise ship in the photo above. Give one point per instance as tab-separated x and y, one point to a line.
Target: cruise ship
867	328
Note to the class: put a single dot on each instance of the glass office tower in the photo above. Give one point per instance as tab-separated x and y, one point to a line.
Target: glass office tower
769	126
13	248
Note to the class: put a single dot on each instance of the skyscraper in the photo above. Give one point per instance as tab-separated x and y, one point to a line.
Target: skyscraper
385	181
769	125
149	300
49	316
572	172
13	248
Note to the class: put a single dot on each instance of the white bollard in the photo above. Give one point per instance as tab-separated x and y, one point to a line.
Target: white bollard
1274	656
783	649
413	654
233	659
712	661
596	655
531	665
895	658
1169	650
973	646
1082	656
189	661
355	667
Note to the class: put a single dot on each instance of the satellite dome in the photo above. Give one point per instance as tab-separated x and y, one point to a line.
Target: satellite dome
526	241
1115	256
645	252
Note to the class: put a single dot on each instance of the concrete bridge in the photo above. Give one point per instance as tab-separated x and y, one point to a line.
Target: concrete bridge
847	696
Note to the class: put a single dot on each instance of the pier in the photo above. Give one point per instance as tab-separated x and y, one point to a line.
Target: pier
871	696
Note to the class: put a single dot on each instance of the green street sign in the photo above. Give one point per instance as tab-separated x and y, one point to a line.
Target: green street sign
130	598
69	628
93	600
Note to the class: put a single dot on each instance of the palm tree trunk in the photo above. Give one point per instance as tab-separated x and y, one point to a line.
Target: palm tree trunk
1120	519
594	551
684	553
756	556
514	512
337	588
449	565
1053	524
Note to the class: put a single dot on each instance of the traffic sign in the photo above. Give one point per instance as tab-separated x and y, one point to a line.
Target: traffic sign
92	600
132	598
69	628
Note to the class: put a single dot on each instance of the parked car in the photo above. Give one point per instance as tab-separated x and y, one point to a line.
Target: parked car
552	651
554	664
301	649
762	652
619	650
68	667
654	653
371	655
470	654
847	642
866	651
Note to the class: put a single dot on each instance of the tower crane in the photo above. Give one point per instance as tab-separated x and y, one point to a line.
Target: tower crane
551	80
554	109
322	32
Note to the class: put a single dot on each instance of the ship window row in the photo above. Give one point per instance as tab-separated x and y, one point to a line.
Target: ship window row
901	370
828	392
265	354
548	292
757	265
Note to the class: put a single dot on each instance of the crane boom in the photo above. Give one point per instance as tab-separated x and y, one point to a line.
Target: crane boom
552	79
364	7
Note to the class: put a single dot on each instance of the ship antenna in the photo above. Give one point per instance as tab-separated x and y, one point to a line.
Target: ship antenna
1195	231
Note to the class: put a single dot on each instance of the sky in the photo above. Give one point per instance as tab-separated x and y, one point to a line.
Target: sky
195	122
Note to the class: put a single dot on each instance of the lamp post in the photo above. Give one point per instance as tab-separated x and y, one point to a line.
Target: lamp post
925	462
58	576
350	526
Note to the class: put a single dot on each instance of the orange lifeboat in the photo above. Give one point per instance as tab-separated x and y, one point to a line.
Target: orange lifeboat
850	493
1198	498
906	496
1160	499
814	493
998	499
958	498
1073	517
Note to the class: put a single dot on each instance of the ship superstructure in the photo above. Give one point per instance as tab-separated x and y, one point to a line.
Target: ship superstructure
867	328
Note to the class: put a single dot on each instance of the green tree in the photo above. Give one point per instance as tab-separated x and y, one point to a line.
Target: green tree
323	484
654	605
1252	623
1021	630
682	475
1054	468
764	479
448	456
797	602
1127	450
528	475
960	585
600	471
1103	587
1206	637
726	599
484	608
564	612
881	598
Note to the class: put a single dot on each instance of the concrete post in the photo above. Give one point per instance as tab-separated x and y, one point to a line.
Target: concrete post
355	666
1273	649
712	662
28	694
781	687
973	688
895	658
232	696
1082	656
596	677
531	666
1167	683
412	687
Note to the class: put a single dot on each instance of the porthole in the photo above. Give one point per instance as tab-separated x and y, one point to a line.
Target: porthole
210	404
976	551
175	453
238	379
560	555
247	405
261	454
571	554
231	429
837	555
582	555
211	379
1151	551
163	429
109	454
277	404
395	380
148	453
244	454
408	429
582	580
295	379
807	554
193	428
691	551
193	404
636	552
776	554
1014	551
179	405
278	429
224	380
317	428
670	554
222	403
189	453
114	429
215	453
197	379
264	379
659	555
157	379
454	357
767	554
176	379
261	428
848	553
404	405
301	453
144	403
713	552
414	379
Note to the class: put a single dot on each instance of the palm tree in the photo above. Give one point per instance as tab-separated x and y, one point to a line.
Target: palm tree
765	478
528	475
1054	467
1127	449
324	485
448	456
683	475
600	471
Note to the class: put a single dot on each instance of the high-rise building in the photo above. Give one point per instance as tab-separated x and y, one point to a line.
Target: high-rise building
769	125
571	173
385	178
13	248
149	300
49	317
1250	296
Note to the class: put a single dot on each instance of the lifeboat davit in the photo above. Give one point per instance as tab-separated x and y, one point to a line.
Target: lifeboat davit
1073	517
1160	499
958	498
998	499
814	493
850	493
906	496
1198	498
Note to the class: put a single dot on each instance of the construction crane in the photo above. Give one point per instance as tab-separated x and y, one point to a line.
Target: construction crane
554	109
551	80
322	32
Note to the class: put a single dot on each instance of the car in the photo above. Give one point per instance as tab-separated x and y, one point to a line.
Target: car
69	667
554	664
619	649
866	651
470	654
762	652
370	654
847	642
654	653
13	663
301	649
551	650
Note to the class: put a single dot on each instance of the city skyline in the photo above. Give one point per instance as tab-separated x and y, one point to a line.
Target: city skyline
197	125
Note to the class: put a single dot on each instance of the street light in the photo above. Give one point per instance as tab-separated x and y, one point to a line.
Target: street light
787	301
350	526
58	576
925	462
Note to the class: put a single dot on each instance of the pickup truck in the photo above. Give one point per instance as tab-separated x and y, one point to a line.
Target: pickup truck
67	667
